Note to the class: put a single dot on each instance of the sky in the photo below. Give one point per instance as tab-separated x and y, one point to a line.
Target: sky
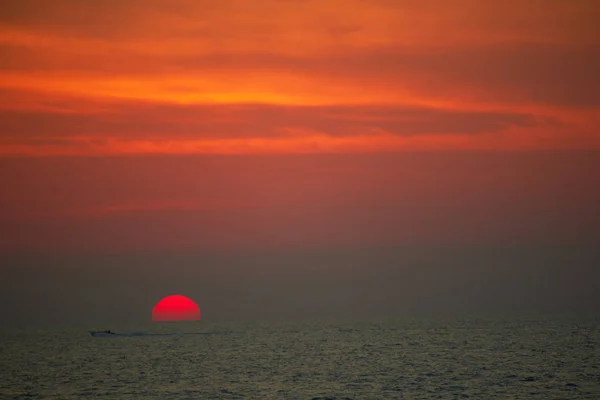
281	158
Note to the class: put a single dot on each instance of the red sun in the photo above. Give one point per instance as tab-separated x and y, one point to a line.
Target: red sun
176	308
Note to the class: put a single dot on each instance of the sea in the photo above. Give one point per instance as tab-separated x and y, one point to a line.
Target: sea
474	357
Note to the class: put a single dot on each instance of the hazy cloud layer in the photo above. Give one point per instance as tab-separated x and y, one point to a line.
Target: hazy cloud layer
251	121
301	201
190	70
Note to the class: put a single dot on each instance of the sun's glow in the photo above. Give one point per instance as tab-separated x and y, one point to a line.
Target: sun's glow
176	308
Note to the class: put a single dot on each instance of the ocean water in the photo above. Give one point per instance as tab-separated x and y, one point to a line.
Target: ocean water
420	358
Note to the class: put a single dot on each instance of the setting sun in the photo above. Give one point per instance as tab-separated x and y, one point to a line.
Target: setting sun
176	308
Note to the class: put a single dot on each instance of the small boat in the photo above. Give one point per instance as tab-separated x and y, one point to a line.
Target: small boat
106	333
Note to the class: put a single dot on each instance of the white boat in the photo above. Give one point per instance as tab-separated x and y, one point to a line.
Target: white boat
102	334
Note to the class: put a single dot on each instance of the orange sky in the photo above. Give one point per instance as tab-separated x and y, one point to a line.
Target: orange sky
273	76
205	124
